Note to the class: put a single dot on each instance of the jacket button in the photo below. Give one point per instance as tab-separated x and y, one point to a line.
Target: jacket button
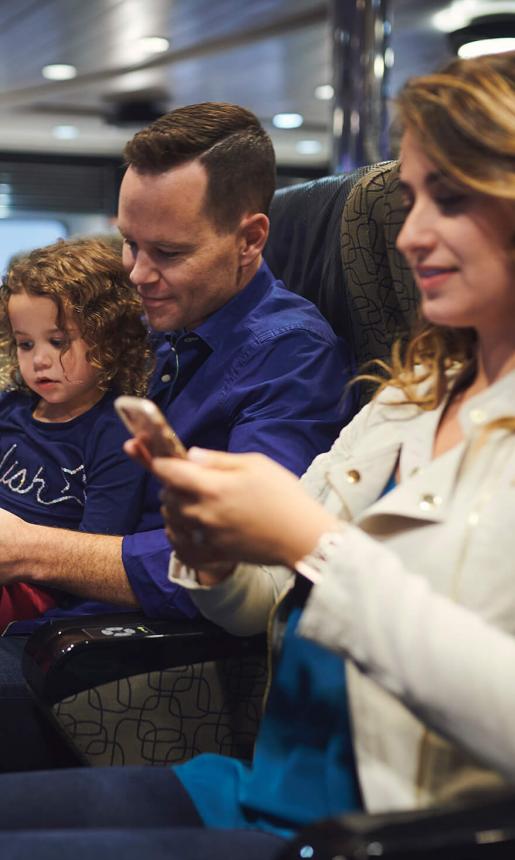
477	416
166	377
353	476
428	502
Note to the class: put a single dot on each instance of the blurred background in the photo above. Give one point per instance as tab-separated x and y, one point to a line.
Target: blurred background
77	79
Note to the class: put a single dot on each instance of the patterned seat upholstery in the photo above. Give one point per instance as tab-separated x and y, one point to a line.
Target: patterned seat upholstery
382	298
333	241
167	716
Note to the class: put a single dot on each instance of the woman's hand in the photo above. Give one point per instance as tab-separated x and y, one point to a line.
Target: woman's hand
221	507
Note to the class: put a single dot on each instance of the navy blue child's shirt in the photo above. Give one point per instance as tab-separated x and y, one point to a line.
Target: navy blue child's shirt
72	474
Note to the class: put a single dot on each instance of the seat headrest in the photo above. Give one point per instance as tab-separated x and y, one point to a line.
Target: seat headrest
303	249
332	240
382	296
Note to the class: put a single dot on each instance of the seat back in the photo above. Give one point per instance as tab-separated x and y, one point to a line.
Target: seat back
332	240
304	247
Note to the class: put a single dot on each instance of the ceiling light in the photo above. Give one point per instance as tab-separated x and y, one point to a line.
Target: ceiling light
461	12
287	120
379	66
324	92
490	34
65	132
389	58
486	46
154	44
59	72
308	147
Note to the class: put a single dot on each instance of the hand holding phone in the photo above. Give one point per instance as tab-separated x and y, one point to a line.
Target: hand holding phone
150	428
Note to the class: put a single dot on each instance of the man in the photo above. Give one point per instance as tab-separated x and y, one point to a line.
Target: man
242	364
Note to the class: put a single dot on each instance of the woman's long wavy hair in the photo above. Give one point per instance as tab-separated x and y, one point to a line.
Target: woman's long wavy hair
85	279
464	117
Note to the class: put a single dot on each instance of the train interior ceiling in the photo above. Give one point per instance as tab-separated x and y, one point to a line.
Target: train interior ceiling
78	79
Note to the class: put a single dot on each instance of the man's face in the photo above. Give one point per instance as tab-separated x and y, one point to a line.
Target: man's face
183	268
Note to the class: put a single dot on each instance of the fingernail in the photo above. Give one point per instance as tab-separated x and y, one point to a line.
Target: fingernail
198	455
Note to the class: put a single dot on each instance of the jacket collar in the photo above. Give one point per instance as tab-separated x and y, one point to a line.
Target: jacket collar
427	484
496	401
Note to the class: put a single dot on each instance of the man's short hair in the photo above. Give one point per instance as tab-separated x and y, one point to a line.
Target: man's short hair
228	140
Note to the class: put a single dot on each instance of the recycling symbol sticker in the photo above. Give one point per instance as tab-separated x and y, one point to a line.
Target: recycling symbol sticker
118	631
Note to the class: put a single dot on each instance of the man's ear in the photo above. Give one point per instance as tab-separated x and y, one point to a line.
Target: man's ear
254	229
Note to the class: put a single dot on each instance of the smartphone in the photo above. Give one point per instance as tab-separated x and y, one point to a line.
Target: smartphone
149	426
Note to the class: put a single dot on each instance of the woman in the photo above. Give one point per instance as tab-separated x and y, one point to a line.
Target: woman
414	590
401	538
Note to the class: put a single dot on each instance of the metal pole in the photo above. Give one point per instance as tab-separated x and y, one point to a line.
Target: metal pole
361	31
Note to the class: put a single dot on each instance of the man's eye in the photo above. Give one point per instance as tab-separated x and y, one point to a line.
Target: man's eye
168	255
130	245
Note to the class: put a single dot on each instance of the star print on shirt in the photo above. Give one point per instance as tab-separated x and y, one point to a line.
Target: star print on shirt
19	481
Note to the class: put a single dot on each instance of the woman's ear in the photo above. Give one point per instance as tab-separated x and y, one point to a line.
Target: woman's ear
254	229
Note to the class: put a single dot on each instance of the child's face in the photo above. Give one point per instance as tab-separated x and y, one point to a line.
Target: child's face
66	383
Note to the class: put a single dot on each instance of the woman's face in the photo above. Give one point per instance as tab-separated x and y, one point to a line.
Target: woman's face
459	244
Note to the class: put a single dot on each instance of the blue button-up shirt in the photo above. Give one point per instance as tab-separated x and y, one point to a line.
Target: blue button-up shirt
263	373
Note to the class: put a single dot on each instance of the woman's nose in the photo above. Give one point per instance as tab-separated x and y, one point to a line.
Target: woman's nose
418	231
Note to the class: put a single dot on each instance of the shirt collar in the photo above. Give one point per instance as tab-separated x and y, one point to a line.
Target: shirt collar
227	318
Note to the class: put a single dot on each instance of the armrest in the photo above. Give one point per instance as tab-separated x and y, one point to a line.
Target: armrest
64	657
482	828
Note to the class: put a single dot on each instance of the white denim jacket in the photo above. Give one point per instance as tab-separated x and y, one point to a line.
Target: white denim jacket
419	593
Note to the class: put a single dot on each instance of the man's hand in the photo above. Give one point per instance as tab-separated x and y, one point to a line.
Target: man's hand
223	507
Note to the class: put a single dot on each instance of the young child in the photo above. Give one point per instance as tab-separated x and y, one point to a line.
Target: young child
73	339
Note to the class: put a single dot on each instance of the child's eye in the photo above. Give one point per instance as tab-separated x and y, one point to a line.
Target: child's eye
24	345
58	342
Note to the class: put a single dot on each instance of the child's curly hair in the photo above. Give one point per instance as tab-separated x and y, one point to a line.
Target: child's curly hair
86	280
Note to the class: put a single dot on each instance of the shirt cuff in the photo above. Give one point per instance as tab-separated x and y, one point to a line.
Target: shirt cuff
241	603
328	617
179	572
312	566
146	557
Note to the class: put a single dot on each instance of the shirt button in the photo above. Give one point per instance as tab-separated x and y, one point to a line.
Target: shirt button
428	502
166	377
478	416
353	476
